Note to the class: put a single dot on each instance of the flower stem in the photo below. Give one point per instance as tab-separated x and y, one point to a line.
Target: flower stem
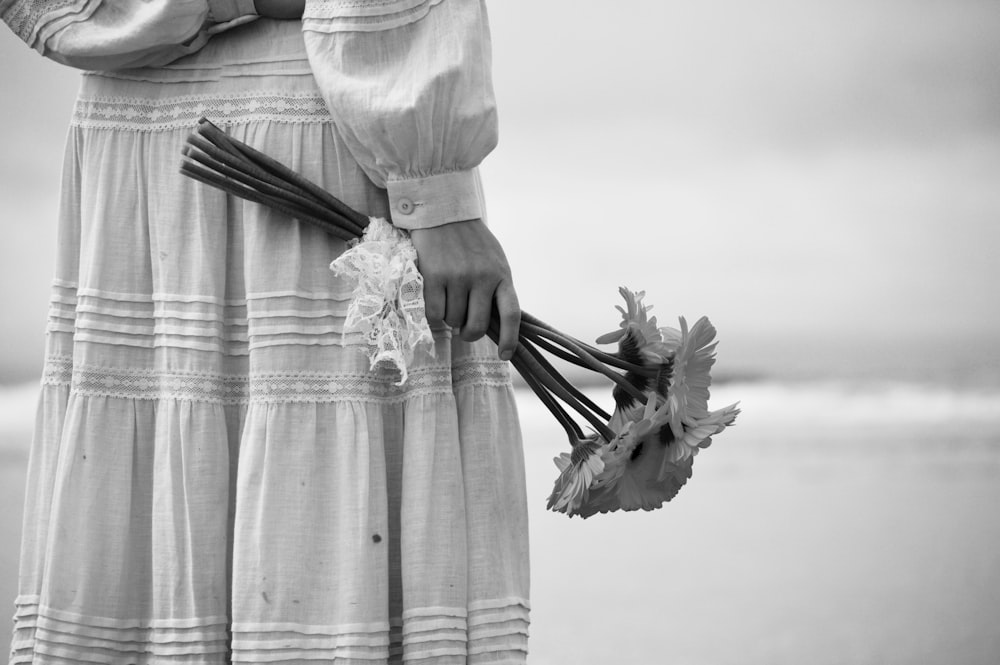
223	143
554	373
573	430
206	176
536	369
282	171
212	158
546	345
586	357
603	356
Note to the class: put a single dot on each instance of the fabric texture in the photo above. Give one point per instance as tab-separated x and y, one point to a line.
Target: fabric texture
217	475
413	98
110	34
408	82
220	11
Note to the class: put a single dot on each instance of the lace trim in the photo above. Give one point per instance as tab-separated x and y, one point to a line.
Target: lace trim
58	371
316	387
481	372
140	114
344	8
354	15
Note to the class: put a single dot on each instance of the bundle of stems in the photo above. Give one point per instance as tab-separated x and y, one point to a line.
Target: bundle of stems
217	159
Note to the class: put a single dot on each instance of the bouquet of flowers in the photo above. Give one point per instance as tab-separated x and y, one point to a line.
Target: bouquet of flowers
637	457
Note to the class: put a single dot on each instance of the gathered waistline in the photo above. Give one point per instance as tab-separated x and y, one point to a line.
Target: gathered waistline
168	113
255	73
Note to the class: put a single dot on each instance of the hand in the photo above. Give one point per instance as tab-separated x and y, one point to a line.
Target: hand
465	273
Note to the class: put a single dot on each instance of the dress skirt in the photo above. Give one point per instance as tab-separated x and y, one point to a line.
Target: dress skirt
216	474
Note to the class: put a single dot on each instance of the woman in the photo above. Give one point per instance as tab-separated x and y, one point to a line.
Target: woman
216	474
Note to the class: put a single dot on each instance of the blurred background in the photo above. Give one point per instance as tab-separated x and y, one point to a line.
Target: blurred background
820	178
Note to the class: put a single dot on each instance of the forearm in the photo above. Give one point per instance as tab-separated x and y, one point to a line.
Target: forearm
410	88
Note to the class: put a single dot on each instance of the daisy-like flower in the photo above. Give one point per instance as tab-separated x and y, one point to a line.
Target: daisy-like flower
578	469
653	455
634	320
641	343
689	385
632	463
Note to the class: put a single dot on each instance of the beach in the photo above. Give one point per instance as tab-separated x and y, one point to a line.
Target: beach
833	524
819	177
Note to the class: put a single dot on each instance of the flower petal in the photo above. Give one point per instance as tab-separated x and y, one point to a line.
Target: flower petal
612	337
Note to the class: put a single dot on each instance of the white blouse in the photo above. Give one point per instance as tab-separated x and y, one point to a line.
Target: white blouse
407	82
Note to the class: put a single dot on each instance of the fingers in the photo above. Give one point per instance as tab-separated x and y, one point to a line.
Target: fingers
509	312
434	300
467	281
477	306
457	296
477	319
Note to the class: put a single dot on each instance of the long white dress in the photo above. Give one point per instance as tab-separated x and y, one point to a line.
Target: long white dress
216	475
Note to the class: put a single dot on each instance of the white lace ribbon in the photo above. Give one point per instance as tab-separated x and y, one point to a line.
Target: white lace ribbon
387	304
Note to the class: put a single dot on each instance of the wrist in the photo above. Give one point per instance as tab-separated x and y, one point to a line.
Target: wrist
445	198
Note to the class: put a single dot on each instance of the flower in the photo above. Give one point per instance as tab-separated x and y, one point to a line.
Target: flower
641	343
652	456
639	340
633	462
660	422
646	466
577	472
698	432
692	364
634	320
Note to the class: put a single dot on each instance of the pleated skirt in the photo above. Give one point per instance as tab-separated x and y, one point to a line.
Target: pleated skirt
216	474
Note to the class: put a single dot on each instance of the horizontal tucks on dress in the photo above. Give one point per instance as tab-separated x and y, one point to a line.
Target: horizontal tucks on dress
216	476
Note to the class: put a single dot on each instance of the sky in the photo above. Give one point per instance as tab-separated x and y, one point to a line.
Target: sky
815	176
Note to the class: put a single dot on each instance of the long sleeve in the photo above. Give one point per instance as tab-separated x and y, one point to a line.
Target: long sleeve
409	86
114	34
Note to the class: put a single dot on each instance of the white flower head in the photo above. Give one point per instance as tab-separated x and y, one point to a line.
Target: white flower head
652	456
577	472
691	377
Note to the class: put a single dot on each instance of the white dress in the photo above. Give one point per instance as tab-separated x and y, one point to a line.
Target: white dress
216	475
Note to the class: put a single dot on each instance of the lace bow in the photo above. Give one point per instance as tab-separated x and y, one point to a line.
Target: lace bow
387	304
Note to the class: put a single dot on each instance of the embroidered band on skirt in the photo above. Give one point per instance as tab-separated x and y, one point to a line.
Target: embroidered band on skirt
216	476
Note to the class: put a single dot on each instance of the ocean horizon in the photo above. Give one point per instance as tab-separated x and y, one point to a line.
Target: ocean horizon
818	403
845	518
845	379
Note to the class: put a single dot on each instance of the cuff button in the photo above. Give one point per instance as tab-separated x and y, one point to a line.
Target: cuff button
405	206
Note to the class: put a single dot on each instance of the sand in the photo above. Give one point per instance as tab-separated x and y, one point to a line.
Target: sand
799	540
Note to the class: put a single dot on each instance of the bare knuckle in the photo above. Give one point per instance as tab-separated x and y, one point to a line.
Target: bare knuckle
510	311
472	333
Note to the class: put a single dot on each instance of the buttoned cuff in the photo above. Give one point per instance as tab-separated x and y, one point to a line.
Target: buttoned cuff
421	203
221	11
